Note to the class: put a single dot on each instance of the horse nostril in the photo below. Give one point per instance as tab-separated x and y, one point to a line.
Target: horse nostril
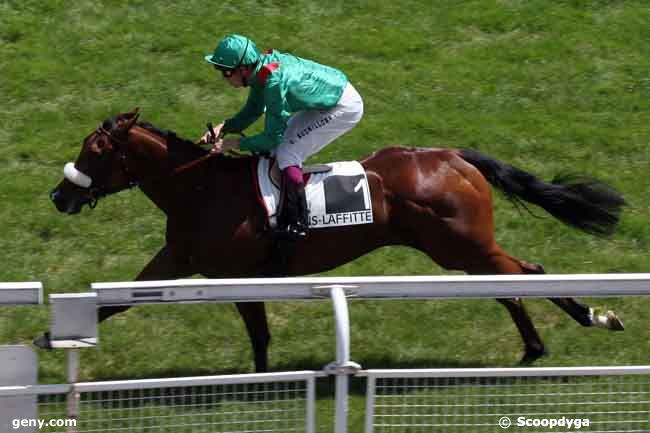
53	195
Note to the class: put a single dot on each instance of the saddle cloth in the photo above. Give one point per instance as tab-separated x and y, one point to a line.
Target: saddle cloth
338	197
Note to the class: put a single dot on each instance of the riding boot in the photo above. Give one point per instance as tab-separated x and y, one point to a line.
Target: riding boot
296	216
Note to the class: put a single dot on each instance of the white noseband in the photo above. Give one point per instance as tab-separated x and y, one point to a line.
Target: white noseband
75	176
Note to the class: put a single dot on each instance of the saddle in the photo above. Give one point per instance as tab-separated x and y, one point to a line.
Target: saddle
337	193
276	175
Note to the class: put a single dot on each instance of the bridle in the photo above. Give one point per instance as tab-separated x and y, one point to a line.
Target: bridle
120	145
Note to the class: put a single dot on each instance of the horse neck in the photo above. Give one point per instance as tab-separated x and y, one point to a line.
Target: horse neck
150	165
219	181
170	191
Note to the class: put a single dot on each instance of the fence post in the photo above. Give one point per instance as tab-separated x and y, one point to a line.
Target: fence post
342	367
73	325
73	395
342	357
370	403
18	364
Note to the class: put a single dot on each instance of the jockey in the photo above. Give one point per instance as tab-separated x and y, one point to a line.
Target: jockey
307	106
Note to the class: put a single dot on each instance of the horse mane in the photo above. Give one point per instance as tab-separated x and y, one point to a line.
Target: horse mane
180	150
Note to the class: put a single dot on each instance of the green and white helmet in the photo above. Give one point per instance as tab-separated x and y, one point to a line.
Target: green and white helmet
234	51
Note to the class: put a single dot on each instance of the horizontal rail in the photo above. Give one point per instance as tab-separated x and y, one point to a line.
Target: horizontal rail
508	372
308	375
12	391
393	287
21	293
196	381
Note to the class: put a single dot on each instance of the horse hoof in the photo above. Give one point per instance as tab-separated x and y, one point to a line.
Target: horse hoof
532	355
613	322
43	342
608	320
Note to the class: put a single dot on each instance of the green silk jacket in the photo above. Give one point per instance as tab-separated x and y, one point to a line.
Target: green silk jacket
283	84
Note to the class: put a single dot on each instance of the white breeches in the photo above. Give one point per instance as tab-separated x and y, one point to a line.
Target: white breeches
310	131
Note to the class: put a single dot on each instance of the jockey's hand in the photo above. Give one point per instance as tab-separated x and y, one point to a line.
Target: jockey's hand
217	147
208	138
223	145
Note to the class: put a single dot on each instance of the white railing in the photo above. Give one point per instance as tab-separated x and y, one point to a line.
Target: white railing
337	288
271	402
412	287
21	293
593	399
18	364
402	401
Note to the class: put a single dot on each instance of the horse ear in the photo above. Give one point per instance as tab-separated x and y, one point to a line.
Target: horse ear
134	114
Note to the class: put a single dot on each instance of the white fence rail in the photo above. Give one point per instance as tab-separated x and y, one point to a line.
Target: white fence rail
458	400
412	287
21	293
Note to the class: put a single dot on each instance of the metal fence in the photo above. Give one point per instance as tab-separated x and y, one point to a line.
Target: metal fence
273	402
594	400
518	400
21	293
514	400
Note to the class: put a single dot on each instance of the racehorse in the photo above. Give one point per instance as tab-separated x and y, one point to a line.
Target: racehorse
435	200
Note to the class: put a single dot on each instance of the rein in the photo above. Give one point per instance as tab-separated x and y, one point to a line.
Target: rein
99	191
184	167
180	169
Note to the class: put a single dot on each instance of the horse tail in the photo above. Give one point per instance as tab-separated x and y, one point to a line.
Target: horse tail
579	201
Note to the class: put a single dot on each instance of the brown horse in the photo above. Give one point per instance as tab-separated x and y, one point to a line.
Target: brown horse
435	200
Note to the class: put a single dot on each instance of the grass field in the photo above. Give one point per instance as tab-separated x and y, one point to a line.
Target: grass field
547	86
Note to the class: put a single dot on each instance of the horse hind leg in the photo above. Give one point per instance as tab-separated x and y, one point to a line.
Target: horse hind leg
581	313
609	320
587	316
534	347
497	262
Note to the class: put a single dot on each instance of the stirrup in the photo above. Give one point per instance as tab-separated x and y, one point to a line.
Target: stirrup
297	231
292	232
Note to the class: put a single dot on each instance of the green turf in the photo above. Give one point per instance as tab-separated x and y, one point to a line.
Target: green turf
549	86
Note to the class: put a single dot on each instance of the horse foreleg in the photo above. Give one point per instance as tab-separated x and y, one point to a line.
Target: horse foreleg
254	315
161	267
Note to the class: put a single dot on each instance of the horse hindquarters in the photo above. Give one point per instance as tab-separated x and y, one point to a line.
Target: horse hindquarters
442	206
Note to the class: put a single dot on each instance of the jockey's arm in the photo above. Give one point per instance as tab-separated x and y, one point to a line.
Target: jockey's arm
276	118
251	111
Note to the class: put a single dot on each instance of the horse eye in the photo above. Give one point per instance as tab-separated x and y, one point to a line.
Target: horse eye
99	146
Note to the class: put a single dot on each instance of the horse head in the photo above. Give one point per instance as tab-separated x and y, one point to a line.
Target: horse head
105	165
